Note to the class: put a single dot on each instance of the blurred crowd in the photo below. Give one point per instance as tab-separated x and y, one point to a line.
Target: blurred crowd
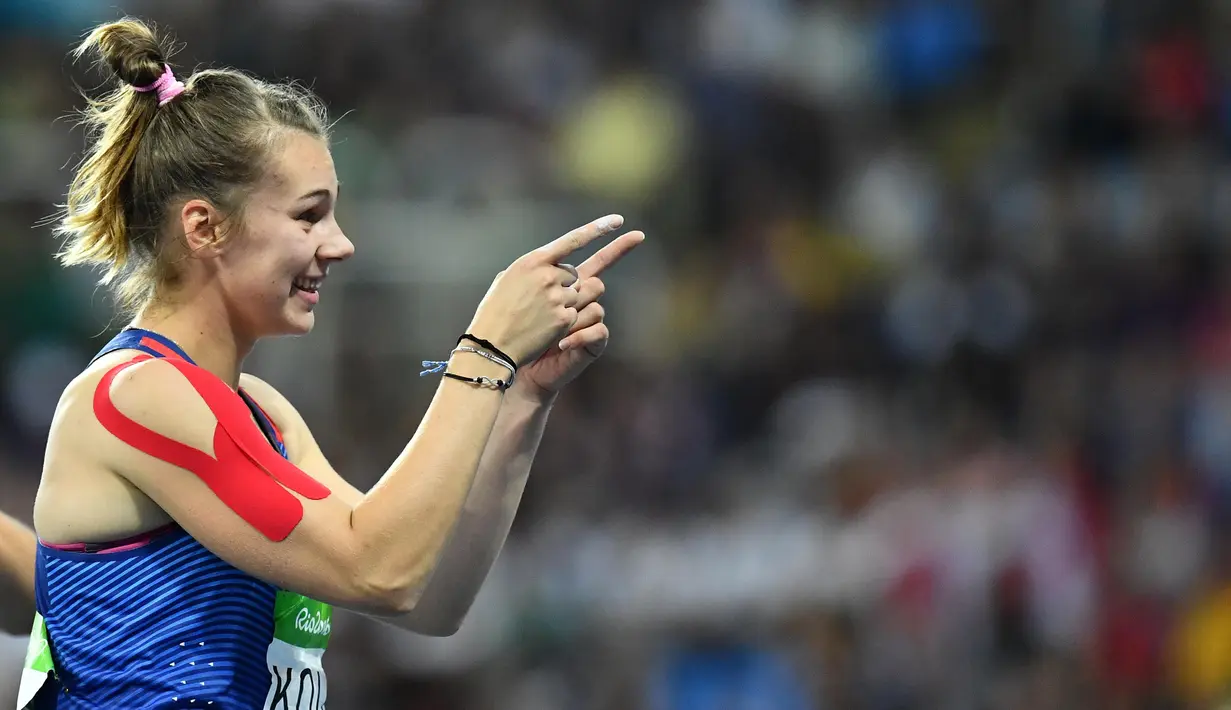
920	392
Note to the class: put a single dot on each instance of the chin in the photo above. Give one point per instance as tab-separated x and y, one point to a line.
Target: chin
299	324
291	321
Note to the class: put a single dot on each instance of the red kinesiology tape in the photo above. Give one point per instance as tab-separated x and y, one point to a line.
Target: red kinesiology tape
245	472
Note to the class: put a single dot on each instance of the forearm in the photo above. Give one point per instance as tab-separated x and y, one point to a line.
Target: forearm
17	551
403	523
486	517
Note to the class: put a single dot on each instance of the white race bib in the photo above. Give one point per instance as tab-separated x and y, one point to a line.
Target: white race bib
301	632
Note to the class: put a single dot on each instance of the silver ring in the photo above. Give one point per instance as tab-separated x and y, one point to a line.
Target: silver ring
572	270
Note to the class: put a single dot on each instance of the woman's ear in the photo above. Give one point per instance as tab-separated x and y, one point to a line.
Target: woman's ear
202	226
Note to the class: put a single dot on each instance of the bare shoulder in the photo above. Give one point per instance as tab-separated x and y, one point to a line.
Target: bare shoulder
85	492
157	396
302	447
193	472
151	393
288	420
266	394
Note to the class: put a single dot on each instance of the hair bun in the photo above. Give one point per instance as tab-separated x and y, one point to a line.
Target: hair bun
129	48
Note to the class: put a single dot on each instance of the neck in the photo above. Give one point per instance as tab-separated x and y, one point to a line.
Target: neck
206	335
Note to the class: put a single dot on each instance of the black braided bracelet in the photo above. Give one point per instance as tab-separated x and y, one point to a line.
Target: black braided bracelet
493	353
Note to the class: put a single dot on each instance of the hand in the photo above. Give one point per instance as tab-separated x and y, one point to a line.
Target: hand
532	304
587	339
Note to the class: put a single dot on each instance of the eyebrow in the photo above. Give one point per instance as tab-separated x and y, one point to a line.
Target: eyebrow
319	192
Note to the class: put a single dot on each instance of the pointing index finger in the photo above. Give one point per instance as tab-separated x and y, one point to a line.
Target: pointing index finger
557	250
604	258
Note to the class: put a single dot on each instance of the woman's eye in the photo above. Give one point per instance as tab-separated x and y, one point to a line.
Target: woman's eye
311	217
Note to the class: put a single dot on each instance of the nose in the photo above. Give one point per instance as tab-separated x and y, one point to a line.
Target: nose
337	248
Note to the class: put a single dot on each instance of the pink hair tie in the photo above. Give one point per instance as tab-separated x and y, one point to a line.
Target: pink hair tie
167	86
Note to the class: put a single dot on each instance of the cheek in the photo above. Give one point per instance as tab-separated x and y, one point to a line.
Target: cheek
271	276
251	282
265	264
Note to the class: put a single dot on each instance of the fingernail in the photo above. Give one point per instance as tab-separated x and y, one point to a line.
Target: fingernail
564	345
614	222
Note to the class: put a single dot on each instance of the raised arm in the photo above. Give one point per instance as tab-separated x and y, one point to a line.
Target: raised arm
334	552
486	515
17	550
374	555
504	469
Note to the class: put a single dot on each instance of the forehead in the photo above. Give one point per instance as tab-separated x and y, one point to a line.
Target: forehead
299	164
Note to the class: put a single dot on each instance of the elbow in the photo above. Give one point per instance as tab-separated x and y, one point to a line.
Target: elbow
439	613
439	625
386	597
401	591
383	589
406	604
402	609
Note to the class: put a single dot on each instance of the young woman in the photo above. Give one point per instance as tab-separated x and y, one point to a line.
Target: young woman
192	535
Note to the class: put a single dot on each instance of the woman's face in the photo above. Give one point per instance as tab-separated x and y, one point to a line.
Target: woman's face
271	273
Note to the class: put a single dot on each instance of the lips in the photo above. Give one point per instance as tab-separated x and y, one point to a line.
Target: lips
307	284
307	289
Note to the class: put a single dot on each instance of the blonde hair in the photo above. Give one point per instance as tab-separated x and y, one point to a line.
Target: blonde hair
212	142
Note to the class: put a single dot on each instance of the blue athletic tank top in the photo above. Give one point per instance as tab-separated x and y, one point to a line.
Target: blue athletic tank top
161	622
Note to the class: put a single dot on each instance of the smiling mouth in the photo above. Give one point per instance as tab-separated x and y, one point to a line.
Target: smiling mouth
308	285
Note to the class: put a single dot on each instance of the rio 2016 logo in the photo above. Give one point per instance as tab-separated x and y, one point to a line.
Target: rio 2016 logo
312	623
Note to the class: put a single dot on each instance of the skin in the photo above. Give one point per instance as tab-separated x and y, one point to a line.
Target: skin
16	576
417	547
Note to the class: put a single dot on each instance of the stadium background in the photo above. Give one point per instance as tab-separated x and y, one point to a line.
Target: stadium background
919	394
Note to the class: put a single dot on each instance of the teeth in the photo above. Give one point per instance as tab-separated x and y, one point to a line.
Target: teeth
307	284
